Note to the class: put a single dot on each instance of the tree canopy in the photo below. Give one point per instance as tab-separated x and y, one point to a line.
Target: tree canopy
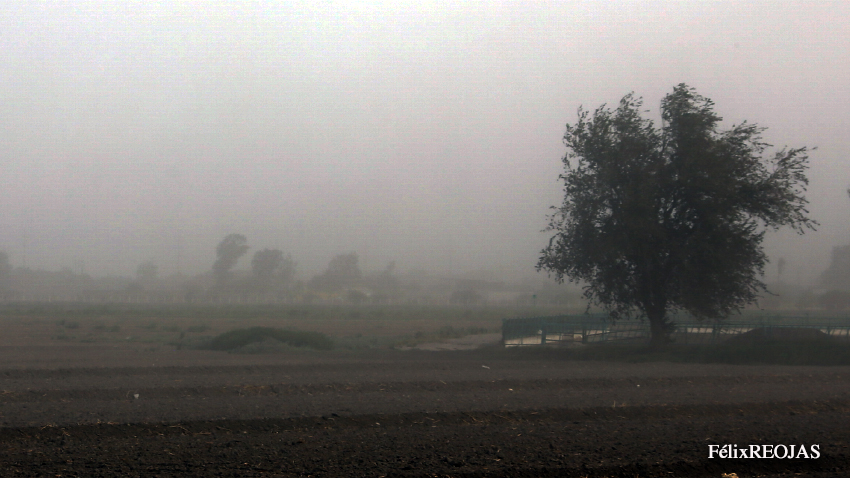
271	270
228	252
656	220
343	271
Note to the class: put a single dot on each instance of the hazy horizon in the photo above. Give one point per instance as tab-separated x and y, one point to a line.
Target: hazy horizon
429	134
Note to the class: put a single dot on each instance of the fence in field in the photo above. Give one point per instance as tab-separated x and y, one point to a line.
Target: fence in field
589	328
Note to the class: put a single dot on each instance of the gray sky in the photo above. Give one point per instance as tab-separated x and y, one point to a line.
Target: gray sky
427	133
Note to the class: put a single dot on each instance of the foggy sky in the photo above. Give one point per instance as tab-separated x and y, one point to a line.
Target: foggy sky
430	134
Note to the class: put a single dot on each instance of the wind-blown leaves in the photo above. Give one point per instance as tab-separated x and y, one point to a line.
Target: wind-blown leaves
670	218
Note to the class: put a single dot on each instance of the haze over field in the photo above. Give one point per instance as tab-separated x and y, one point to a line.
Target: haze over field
429	134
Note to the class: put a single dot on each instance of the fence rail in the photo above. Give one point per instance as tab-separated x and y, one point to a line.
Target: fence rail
588	328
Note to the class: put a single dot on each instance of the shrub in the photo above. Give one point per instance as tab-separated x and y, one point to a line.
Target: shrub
235	339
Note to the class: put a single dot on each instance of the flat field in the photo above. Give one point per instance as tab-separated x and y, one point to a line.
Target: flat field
86	400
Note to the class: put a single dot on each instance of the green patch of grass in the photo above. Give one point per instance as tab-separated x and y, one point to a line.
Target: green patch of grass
443	333
235	339
777	353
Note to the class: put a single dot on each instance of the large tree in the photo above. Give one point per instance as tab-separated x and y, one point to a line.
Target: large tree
272	270
343	271
228	253
656	220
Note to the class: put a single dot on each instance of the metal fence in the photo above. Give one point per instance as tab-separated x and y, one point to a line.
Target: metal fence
589	328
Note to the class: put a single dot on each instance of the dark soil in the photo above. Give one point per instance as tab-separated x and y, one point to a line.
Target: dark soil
417	414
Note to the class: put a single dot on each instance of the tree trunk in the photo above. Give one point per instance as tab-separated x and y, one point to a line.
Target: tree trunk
660	328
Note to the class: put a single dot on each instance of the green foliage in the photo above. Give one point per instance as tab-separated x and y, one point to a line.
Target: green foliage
443	333
664	219
235	339
810	353
343	271
271	270
229	250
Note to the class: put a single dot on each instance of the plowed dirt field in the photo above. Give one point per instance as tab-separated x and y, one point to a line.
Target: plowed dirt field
108	411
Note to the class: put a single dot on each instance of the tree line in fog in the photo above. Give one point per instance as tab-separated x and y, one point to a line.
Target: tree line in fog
239	275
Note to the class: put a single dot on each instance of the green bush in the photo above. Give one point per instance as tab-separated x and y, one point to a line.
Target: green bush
238	338
777	353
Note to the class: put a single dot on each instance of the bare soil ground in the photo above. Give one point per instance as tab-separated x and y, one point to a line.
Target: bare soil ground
120	409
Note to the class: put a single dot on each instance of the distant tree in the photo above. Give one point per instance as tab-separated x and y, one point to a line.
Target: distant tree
343	271
835	300
837	275
465	297
345	268
146	272
657	220
357	297
5	274
271	270
229	251
386	281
